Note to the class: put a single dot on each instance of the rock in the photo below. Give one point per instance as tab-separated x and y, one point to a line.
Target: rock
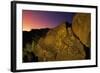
82	28
59	44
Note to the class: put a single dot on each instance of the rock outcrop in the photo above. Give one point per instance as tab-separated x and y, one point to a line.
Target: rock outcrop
60	44
82	28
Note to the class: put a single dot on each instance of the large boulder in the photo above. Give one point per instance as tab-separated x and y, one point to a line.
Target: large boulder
81	26
59	44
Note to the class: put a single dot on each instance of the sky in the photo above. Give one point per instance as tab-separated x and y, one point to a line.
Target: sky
32	19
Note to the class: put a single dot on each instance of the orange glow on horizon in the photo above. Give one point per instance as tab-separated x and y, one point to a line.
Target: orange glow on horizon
43	19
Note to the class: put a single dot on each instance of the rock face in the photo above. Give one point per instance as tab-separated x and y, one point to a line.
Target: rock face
82	28
59	44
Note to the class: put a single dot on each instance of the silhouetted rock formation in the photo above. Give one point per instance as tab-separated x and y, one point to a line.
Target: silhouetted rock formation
34	34
30	39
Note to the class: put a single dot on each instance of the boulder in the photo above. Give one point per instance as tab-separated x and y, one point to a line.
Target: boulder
60	44
81	26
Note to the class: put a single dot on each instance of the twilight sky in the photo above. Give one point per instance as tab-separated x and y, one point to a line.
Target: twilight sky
44	19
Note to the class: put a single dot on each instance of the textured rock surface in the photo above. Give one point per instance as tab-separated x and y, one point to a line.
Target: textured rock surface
59	44
82	28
